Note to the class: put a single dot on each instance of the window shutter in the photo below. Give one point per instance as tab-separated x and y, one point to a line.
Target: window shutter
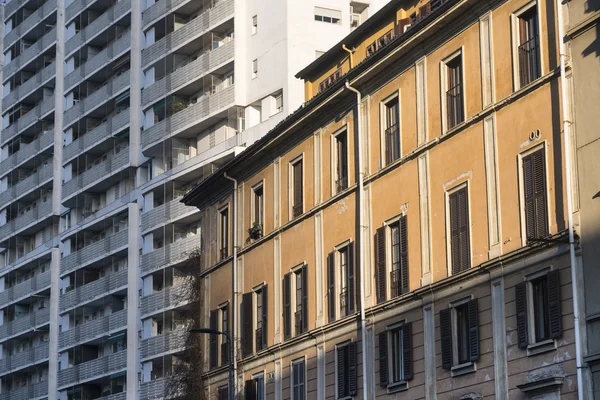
529	197
331	286
383	359
459	231
521	305
213	351
265	319
247	324
404	253
304	298
341	371
250	390
454	234
424	10
446	337
402	23
352	368
554	304
534	182
351	280
287	307
407	350
381	267
473	330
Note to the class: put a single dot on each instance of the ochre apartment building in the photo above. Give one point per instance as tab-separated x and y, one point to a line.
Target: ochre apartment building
404	233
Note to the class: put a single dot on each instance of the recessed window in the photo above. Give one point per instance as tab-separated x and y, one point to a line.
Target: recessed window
391	258
254	313
223	392
254	388
395	356
297	188
258	210
340	155
459	329
279	103
327	15
254	24
459	230
295	302
345	369
392	130
453	91
340	268
298	380
224	233
254	69
224	311
534	195
218	346
528	46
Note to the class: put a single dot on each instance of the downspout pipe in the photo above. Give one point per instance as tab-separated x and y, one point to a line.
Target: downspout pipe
565	99
360	239
351	52
234	282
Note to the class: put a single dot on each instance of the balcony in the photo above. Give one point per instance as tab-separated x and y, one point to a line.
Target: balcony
34	115
166	213
17	361
32	182
30	53
110	16
181	76
169	342
168	255
99	288
29	392
155	389
76	7
114	123
25	323
202	23
94	252
27	151
99	367
104	169
100	60
39	213
13	6
110	89
31	21
94	329
25	288
167	298
33	83
116	396
193	114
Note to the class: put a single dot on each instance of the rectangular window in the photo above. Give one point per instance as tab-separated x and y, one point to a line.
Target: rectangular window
391	257
392	130
223	393
341	161
279	103
254	24
254	310
539	293
462	333
340	266
395	356
346	370
261	318
454	92
254	69
298	380
255	388
459	329
327	15
224	237
259	204
295	302
460	246
534	187
529	48
297	189
213	339
224	328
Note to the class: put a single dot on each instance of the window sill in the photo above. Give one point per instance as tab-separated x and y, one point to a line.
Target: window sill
541	347
397	387
463	369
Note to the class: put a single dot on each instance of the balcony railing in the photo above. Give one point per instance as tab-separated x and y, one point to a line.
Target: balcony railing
341	184
258	339
27	151
392	143
33	83
99	288
24	358
169	342
168	255
167	298
28	184
194	113
99	367
116	396
166	213
29	392
187	33
181	76
13	6
454	105
30	53
94	251
102	170
12	227
155	389
93	329
76	7
25	323
25	288
298	322
529	61
32	116
115	13
396	282
159	9
31	21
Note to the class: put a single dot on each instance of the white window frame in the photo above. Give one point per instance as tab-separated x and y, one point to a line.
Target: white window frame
321	11
395	386
292	363
534	347
515	39
291	164
444	85
254	27
253	218
254	377
334	173
337	348
382	125
293	304
470	366
448	192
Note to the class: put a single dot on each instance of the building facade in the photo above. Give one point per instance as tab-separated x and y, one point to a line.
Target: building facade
405	233
111	110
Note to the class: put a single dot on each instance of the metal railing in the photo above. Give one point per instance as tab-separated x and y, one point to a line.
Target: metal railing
31	84
34	391
27	151
298	322
32	182
159	9
392	143
25	323
258	339
454	105
33	20
167	298
170	254
94	251
116	396
166	213
12	227
344	302
93	369
98	288
341	184
34	355
31	117
76	7
169	342
529	61
30	53
155	389
93	329
396	282
25	288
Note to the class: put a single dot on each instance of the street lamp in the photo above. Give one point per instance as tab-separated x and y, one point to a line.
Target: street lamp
209	331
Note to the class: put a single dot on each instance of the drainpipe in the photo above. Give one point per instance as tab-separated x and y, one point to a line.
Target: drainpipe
360	247
234	313
569	168
351	52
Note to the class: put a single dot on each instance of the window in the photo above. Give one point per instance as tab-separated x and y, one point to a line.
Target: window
213	351
254	388
254	320
254	24
223	393
454	92
392	130
345	367
459	328
295	300
254	69
340	266
298	380
279	103
224	236
534	193
327	15
391	252
395	356
258	206
529	47
460	245
297	194
341	161
539	318
224	310
219	320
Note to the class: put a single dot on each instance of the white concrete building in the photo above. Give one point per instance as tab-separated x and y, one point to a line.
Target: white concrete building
111	110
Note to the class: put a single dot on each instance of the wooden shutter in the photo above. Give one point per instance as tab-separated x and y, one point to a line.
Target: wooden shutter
459	231
404	253
341	371
247	334
534	182
383	359
446	337
265	316
554	304
351	280
331	286
381	265
287	306
213	350
304	298
424	11
297	189
521	305
352	369
402	23
473	330
407	350
250	391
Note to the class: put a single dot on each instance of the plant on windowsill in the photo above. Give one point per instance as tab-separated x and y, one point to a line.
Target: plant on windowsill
178	106
68	288
255	232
